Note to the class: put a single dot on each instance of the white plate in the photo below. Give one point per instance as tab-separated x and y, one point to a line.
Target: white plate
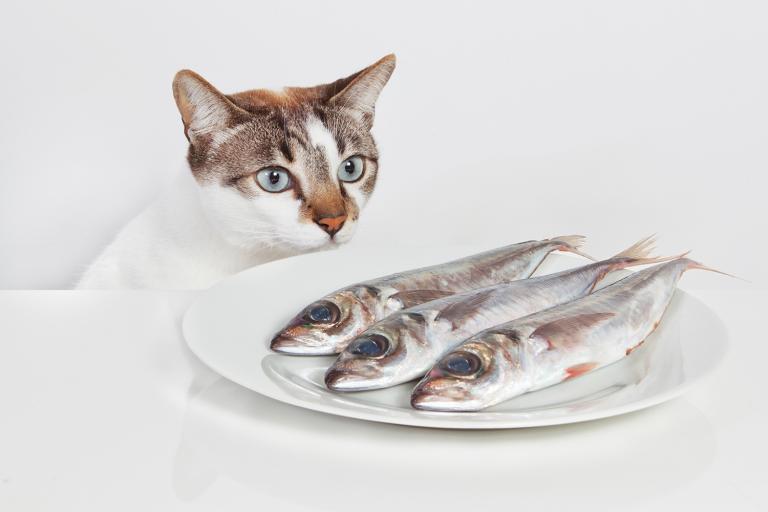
230	325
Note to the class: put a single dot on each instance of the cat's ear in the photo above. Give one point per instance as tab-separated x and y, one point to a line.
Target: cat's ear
204	110
361	90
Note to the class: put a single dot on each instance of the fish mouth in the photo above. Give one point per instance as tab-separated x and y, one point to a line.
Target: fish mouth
296	347
342	379
434	396
425	401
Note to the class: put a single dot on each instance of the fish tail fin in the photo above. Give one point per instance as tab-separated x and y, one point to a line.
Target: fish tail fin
641	253
700	266
572	243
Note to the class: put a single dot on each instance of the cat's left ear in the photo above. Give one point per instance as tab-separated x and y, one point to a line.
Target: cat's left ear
361	90
204	110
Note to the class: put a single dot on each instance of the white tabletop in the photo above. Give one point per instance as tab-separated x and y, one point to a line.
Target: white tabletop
104	408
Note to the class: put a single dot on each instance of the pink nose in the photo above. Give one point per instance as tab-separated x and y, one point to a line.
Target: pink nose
332	224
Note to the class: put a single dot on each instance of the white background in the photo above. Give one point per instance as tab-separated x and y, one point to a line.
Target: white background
503	121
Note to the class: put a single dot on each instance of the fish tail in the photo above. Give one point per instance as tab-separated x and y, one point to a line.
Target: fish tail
700	266
572	243
641	253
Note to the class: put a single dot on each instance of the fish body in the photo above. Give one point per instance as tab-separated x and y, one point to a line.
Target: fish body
406	344
553	345
326	326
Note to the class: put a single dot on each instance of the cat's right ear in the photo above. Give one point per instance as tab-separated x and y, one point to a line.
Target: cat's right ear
204	110
361	90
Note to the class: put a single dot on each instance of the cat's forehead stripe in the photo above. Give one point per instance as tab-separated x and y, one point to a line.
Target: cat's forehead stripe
321	138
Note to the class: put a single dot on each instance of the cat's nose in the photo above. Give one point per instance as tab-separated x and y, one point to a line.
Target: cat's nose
332	225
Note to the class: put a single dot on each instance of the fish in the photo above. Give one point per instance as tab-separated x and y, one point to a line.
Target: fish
405	345
554	345
327	325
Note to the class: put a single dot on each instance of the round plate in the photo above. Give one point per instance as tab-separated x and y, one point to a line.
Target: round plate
230	325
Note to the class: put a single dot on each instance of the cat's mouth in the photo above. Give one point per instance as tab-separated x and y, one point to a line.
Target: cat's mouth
333	243
326	242
343	236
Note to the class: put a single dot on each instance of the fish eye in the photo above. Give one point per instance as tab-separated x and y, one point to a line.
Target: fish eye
462	364
371	345
323	313
351	169
273	179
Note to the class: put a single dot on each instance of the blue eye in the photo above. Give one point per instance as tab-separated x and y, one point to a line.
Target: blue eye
323	313
462	364
372	345
274	179
351	169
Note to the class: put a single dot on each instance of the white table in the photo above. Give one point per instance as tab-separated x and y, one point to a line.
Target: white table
104	408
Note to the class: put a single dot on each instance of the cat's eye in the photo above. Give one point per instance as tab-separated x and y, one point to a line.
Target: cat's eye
351	169
273	179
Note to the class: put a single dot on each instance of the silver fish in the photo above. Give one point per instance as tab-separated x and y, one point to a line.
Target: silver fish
327	325
551	346
406	344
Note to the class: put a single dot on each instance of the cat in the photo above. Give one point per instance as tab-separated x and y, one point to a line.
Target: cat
270	174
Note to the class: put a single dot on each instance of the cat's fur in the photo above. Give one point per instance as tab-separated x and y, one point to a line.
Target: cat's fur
218	220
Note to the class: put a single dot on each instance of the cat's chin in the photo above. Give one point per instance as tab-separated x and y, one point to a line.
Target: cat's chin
329	244
295	247
285	246
322	243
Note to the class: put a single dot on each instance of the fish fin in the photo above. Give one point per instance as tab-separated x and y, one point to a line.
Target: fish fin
569	330
700	266
371	290
641	253
410	298
579	369
640	249
414	317
573	244
511	334
462	308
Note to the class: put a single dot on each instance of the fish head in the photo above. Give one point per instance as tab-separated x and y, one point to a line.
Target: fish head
325	326
381	356
476	375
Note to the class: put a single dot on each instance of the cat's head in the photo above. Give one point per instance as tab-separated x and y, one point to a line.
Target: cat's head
290	168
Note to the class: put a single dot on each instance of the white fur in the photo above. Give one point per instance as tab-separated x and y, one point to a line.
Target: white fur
357	195
320	137
269	220
195	235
